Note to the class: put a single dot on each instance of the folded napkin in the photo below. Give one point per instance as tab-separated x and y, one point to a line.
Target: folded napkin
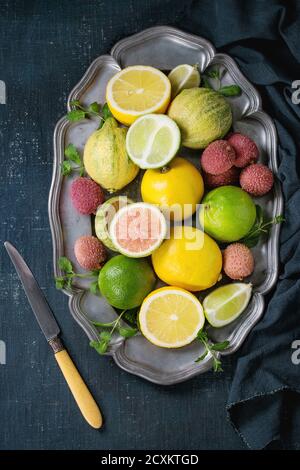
264	38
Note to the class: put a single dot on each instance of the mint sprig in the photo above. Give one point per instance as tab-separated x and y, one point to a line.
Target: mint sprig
211	348
107	330
66	281
72	161
216	76
261	227
93	110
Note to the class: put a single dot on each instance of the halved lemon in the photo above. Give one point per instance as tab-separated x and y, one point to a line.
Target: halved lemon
137	90
153	140
226	303
171	317
184	76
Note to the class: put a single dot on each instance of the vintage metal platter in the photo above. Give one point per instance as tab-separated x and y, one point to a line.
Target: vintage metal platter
164	48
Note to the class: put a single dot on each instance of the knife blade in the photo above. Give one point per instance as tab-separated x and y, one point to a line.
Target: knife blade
34	294
50	328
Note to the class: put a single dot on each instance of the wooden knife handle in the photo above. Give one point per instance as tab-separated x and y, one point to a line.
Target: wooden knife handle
80	392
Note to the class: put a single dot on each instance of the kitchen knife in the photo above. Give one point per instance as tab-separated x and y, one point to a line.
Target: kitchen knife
50	328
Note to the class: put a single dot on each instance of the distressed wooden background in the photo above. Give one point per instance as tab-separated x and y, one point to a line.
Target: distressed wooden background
45	47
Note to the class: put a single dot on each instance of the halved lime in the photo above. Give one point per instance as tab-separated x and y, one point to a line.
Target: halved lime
153	140
226	303
182	77
138	229
104	216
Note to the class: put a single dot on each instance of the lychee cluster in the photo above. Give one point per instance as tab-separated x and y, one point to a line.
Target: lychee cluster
233	161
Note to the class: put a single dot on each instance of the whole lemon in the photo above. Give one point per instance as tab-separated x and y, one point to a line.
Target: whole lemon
177	188
189	259
105	157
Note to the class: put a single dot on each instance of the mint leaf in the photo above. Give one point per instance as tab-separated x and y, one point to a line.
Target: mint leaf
105	335
206	83
106	113
65	168
99	346
75	103
230	90
127	332
72	154
220	346
65	264
76	115
214	73
94	287
59	282
94	108
203	356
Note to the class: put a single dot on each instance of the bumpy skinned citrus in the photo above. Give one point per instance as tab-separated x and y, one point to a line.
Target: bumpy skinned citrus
171	317
137	90
105	157
189	259
178	188
202	114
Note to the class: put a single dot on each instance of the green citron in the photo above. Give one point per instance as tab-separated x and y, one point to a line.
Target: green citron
105	157
227	213
125	282
202	115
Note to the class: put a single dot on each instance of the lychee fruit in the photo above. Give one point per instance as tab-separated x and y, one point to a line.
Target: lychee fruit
245	148
256	179
90	252
238	261
230	176
218	157
86	195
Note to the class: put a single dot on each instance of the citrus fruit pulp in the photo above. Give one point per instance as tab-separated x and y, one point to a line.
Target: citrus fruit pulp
177	189
104	216
226	303
189	259
227	213
137	90
182	77
152	140
125	282
171	317
138	229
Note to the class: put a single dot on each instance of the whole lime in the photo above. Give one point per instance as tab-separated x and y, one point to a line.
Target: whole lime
227	213
125	282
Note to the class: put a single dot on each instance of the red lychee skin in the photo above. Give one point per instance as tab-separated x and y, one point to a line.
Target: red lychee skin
86	195
230	176
257	179
245	149
90	252
238	261
218	157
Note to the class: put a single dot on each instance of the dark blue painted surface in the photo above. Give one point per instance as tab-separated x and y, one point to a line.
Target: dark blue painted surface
44	49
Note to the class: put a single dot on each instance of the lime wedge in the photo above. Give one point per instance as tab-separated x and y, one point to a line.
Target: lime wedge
226	303
182	77
153	140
